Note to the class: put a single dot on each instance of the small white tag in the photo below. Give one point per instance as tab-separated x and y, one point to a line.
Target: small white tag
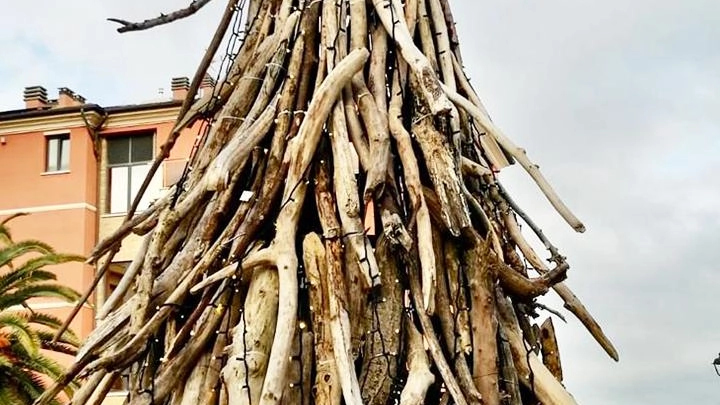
246	196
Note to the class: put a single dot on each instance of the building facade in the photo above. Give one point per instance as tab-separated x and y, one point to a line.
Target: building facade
75	168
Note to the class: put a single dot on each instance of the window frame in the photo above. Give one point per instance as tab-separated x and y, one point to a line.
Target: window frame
152	133
56	165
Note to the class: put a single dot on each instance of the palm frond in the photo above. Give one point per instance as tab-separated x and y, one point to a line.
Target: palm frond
19	330
54	323
17	249
16	277
19	296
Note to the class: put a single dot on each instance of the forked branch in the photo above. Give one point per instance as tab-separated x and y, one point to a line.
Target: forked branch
163	19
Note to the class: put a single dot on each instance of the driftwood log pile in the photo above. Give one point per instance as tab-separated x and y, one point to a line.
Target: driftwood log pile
340	234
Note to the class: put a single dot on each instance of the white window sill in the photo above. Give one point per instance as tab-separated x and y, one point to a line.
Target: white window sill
55	172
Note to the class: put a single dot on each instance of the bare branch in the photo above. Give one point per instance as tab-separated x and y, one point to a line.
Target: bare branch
163	19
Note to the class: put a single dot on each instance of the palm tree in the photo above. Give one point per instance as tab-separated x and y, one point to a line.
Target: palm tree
24	368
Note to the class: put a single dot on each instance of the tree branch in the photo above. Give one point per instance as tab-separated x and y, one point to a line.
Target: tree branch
163	19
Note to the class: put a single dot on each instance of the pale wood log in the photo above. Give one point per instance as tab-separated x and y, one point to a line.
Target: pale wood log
508	372
426	35
377	71
442	41
390	13
175	370
419	377
378	139
443	172
117	296
414	188
213	386
336	291
192	392
208	104
444	54
238	149
101	390
429	333
446	310
88	388
355	129
326	386
170	298
483	321
382	345
460	307
248	354
452	30
247	99
473	168
345	187
549	348
544	385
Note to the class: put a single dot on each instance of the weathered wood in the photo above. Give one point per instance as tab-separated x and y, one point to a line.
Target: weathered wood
326	387
549	349
419	376
543	384
244	372
342	100
382	343
483	321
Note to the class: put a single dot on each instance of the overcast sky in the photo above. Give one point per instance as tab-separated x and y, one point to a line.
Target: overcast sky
618	101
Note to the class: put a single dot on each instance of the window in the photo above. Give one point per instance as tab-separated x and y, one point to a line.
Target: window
129	160
57	153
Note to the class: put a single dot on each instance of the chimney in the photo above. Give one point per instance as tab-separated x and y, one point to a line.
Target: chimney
180	87
66	98
35	97
207	84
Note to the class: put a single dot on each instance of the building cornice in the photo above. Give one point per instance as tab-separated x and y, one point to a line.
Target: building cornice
49	122
24	121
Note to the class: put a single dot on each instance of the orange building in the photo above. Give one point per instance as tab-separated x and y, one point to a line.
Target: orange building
75	167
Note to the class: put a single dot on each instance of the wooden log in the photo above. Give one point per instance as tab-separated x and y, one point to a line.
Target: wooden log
509	376
390	13
419	376
326	387
429	333
484	324
336	291
548	390
443	172
447	311
192	392
382	343
244	372
549	348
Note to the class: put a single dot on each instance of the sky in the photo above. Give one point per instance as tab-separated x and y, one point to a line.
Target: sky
617	101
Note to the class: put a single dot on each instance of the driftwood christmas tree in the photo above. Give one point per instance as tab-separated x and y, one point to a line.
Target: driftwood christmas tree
339	234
